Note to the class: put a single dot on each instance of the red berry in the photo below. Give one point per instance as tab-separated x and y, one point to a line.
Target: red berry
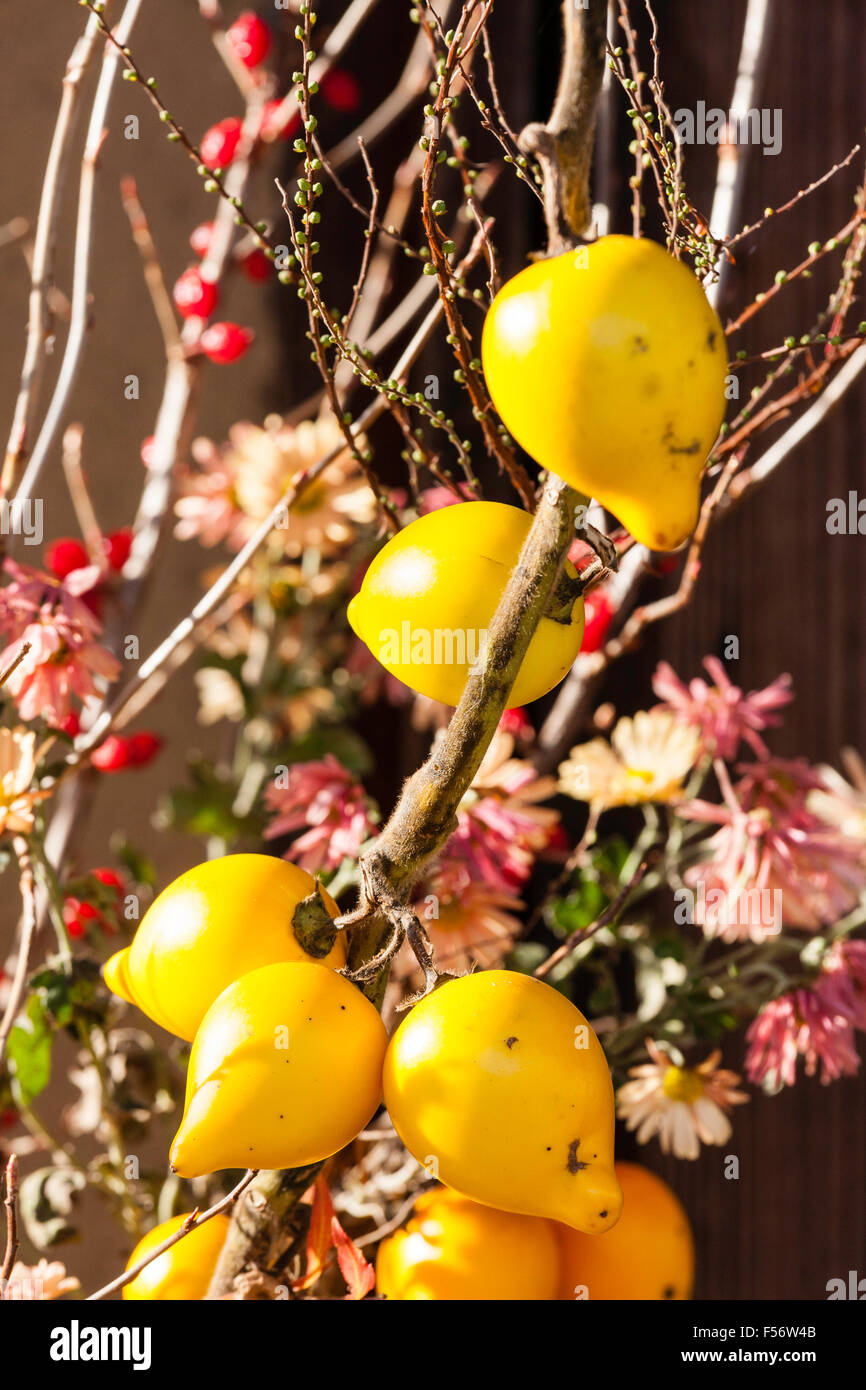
275	126
143	748
599	612
516	722
110	879
77	915
112	755
250	39
225	342
341	90
219	144
71	725
194	296
64	556
117	547
201	238
256	266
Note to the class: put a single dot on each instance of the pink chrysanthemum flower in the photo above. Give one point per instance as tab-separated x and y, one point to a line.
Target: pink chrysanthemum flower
842	981
799	1024
839	802
684	1106
468	922
500	826
773	861
323	799
723	714
64	659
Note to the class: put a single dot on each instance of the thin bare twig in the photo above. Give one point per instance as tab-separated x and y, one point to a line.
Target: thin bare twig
193	1221
27	927
732	164
10	1202
73	437
80	317
39	313
610	914
153	276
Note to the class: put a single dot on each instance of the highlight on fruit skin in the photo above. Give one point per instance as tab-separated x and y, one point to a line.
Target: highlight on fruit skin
185	1270
216	922
608	365
649	1254
429	595
285	1070
452	1248
501	1079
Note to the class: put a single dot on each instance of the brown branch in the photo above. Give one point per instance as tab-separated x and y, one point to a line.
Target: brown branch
610	914
153	276
41	273
192	1222
25	939
10	1202
564	145
80	311
426	811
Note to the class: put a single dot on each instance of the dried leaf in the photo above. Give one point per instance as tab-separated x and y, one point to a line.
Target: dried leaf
359	1274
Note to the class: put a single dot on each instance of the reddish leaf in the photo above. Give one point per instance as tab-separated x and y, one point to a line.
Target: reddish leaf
359	1274
319	1238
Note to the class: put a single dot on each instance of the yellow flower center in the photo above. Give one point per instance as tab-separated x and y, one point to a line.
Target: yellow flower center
642	774
681	1084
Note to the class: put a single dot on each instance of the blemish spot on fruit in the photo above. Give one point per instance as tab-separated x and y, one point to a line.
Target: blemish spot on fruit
603	1214
574	1164
669	1291
509	1043
711	339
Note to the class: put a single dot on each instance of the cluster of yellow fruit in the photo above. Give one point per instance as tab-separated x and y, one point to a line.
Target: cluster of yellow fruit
608	365
495	1079
453	1249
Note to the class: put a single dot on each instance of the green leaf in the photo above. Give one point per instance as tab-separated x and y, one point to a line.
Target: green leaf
29	1053
139	867
70	994
609	858
580	908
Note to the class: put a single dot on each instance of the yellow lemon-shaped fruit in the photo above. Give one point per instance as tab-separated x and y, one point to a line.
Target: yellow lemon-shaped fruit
649	1254
453	1248
285	1070
498	1084
185	1270
427	599
216	922
608	366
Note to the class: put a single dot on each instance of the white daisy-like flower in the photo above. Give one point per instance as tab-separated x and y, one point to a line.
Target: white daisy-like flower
648	759
683	1106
